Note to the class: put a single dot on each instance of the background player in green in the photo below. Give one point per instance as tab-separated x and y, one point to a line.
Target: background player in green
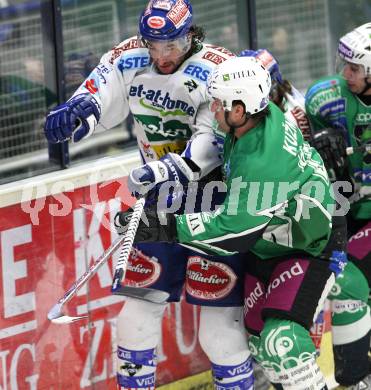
339	109
278	208
292	104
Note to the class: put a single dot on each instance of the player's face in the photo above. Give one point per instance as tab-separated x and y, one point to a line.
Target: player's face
235	118
216	107
354	75
166	56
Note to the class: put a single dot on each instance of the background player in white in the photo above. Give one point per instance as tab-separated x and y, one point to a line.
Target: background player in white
283	93
160	77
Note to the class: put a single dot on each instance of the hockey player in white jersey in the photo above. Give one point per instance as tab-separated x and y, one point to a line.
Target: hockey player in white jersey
160	77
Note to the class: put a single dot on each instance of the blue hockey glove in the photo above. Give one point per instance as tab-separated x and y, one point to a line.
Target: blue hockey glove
153	227
74	119
170	168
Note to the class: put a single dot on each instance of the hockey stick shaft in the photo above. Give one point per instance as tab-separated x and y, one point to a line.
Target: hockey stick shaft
56	314
122	262
364	148
56	310
143	293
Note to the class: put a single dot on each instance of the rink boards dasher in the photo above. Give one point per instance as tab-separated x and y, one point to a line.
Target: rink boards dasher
50	227
42	254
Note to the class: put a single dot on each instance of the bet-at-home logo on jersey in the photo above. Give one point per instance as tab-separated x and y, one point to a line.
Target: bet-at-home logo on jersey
161	102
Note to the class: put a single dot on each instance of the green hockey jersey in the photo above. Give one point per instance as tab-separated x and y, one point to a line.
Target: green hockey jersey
329	103
278	200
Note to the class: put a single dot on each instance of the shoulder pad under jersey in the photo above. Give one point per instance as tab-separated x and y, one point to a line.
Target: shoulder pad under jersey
296	112
201	63
212	55
325	95
297	97
129	58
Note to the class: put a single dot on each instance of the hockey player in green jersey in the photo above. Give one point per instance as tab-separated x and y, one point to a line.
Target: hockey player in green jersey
292	104
278	208
339	109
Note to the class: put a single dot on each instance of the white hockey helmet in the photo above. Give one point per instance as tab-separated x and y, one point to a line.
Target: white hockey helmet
240	78
355	47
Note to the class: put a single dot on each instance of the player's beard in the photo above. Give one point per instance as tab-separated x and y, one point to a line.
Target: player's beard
171	66
168	69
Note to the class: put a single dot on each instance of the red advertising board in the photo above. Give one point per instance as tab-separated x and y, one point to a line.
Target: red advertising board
45	245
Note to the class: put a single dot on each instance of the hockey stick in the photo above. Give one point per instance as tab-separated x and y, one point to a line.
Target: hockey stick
364	148
55	313
148	294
